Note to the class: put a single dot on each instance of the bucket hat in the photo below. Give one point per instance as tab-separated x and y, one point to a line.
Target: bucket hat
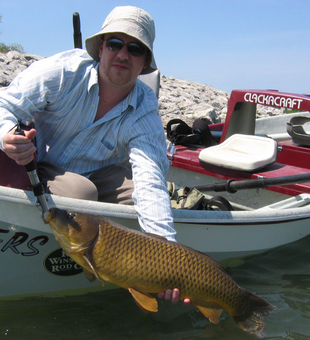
132	21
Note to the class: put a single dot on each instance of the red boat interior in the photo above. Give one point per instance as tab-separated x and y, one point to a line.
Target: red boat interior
292	159
240	119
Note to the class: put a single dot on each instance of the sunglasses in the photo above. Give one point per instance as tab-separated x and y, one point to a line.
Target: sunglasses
135	49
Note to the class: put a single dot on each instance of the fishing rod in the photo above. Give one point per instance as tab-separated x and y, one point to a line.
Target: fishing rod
77	35
36	185
233	186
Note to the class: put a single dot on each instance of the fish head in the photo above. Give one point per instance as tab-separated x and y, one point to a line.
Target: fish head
74	231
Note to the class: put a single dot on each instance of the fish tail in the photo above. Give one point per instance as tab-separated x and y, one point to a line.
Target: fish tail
251	317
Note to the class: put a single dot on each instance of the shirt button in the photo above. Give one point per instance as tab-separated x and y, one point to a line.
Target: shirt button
69	150
94	105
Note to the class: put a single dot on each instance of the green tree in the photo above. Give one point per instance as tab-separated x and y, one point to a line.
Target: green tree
4	48
12	47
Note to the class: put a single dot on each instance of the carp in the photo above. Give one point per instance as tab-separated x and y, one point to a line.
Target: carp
146	263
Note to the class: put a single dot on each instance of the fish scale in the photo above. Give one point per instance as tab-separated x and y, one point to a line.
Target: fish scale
144	263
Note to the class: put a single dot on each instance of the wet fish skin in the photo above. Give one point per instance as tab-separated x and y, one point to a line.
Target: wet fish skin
144	263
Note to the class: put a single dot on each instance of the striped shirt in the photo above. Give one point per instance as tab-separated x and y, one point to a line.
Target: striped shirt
60	95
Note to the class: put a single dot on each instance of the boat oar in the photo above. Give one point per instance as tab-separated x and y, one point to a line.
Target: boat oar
233	186
36	185
77	35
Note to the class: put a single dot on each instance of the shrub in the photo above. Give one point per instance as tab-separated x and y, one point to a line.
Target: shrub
12	47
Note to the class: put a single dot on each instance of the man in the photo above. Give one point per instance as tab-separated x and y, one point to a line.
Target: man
91	114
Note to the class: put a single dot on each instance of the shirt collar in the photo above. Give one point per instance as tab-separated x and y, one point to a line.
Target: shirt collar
93	78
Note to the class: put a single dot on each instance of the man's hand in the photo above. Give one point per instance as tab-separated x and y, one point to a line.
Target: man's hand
173	295
18	147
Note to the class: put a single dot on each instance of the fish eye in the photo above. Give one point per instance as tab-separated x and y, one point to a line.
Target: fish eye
72	215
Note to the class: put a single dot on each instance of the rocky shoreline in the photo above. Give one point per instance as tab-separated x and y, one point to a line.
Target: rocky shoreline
12	63
177	98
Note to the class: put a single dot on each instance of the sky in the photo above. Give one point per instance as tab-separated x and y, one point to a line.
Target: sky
226	44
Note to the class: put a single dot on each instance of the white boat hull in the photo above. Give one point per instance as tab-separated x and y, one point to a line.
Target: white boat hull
32	262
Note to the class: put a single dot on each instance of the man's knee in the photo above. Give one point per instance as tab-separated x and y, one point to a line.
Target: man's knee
65	183
73	187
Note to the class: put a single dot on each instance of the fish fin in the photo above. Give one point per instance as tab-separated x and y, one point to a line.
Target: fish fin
90	276
145	301
251	317
94	270
210	310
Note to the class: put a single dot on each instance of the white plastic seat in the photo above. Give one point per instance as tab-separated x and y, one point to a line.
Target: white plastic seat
241	152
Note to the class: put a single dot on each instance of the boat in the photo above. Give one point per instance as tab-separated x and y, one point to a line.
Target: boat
261	166
32	262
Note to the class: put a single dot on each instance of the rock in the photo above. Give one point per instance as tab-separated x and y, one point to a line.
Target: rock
12	63
190	100
177	98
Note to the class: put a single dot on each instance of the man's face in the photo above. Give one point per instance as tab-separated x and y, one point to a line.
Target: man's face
120	68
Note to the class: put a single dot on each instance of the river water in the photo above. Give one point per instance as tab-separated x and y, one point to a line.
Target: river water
281	276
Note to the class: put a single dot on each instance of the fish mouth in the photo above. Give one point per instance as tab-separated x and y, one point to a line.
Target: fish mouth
48	216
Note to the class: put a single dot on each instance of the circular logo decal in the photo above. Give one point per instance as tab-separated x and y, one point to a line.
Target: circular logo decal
59	263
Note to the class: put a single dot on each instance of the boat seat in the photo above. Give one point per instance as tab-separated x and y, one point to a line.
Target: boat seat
241	152
12	174
152	80
296	129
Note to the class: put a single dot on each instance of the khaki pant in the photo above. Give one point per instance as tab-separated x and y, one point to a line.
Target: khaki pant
112	184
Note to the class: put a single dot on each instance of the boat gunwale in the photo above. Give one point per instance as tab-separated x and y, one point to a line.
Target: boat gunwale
207	217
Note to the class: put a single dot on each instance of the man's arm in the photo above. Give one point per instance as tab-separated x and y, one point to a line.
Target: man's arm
149	167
